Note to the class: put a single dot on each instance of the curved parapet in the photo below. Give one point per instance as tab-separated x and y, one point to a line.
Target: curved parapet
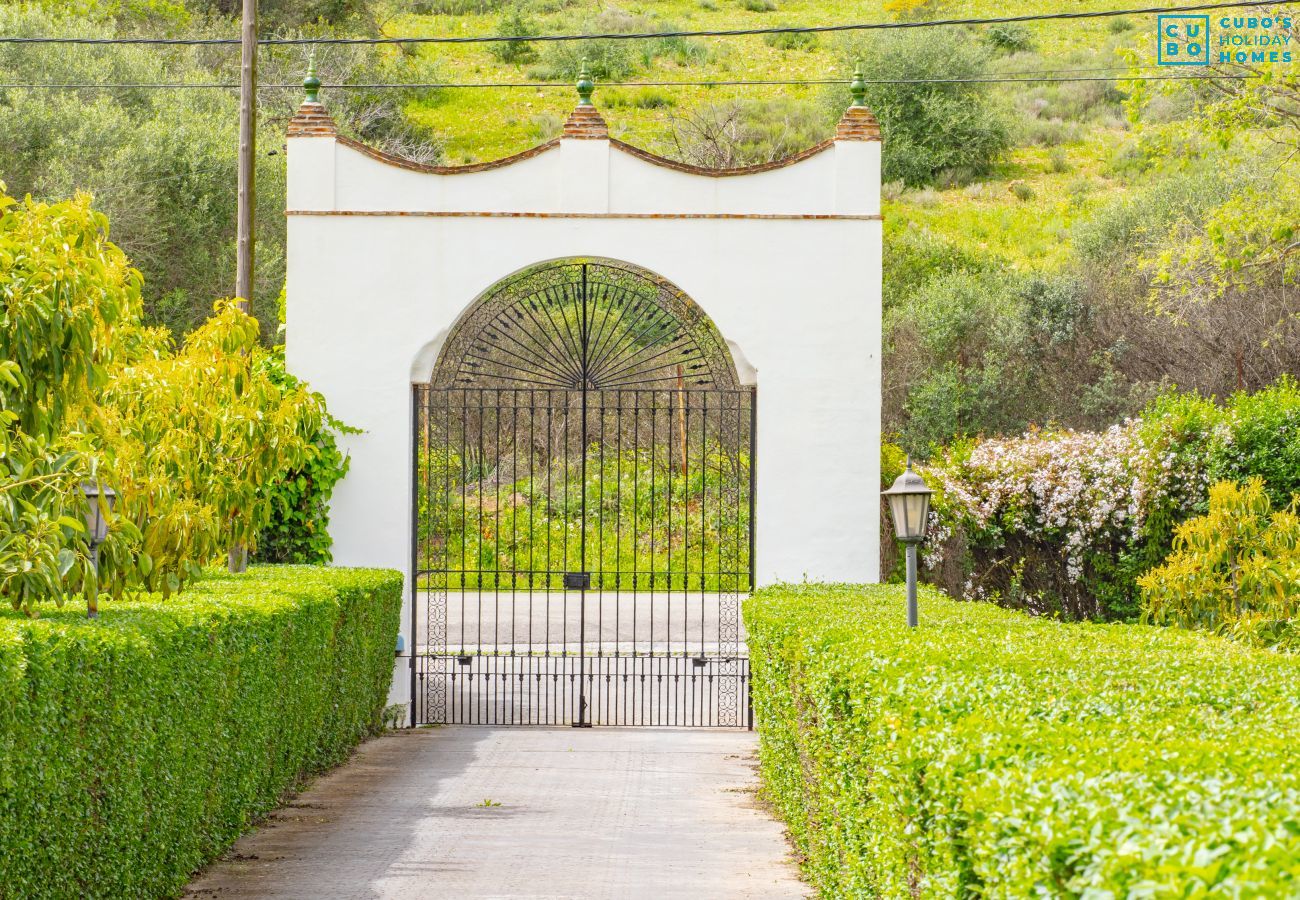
583	172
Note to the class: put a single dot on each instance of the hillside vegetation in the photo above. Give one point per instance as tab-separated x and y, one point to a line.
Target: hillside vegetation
1056	252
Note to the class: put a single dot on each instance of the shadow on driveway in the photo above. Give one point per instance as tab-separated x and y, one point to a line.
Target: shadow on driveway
476	812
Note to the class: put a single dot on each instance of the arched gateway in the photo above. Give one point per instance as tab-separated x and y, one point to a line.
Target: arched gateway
553	361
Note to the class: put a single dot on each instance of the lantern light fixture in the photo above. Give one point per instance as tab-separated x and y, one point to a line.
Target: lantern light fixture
909	505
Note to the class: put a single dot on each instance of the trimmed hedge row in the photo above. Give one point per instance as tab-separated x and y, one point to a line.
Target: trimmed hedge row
992	754
136	749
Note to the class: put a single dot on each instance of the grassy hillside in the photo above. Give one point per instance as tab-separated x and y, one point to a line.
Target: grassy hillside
1055	252
1065	133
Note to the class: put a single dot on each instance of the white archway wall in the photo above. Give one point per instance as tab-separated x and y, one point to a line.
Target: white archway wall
369	294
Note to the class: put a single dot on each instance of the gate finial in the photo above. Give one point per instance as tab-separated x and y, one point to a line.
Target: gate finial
585	85
311	84
311	120
857	123
858	87
585	121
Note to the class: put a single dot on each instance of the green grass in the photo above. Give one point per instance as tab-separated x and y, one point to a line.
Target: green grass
647	525
479	125
995	755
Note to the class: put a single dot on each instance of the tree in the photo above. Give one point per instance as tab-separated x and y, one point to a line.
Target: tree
931	128
196	440
68	302
193	440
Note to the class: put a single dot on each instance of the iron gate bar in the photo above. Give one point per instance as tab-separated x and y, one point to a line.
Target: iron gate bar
582	516
582	340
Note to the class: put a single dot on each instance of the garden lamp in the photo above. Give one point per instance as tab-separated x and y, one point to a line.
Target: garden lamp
98	497
909	505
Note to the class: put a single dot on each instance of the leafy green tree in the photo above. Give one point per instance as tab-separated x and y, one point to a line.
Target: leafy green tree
69	302
985	352
515	23
929	128
196	442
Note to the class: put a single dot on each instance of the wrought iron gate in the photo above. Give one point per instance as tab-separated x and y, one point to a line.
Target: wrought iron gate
584	467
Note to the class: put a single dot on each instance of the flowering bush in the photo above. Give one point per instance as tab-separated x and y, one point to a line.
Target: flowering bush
1065	522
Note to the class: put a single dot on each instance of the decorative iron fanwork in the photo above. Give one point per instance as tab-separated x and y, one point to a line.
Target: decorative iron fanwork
585	325
583	516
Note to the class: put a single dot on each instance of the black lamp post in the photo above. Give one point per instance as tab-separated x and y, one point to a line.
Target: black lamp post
99	500
909	504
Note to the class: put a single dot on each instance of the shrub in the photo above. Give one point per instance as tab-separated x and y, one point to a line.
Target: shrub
962	342
791	40
618	59
1235	569
734	133
1021	191
989	754
298	516
1262	438
138	747
1010	36
928	127
653	98
515	23
1067	521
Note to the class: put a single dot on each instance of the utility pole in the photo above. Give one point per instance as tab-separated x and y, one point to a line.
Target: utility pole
247	156
237	558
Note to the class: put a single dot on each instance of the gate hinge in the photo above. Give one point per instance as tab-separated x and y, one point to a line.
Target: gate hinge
577	580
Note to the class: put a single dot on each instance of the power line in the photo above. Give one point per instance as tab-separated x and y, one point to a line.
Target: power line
651	35
541	85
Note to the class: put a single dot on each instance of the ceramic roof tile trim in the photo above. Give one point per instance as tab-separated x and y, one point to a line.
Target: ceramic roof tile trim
584	123
312	120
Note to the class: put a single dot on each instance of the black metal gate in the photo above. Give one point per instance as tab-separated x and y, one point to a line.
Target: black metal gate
584	468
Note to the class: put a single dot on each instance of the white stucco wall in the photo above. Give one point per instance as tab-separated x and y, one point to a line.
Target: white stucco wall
382	261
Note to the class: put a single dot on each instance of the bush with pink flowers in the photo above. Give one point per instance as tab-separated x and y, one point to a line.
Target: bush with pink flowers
1064	522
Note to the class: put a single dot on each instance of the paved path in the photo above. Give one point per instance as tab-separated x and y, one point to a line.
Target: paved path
522	813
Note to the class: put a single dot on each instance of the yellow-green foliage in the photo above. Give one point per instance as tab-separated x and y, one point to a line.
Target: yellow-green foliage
136	748
68	304
66	293
1235	569
991	754
193	440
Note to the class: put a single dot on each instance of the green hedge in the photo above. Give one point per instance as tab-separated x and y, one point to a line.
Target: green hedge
135	749
990	754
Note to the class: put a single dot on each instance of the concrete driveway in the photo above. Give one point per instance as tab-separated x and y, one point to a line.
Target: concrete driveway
476	812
